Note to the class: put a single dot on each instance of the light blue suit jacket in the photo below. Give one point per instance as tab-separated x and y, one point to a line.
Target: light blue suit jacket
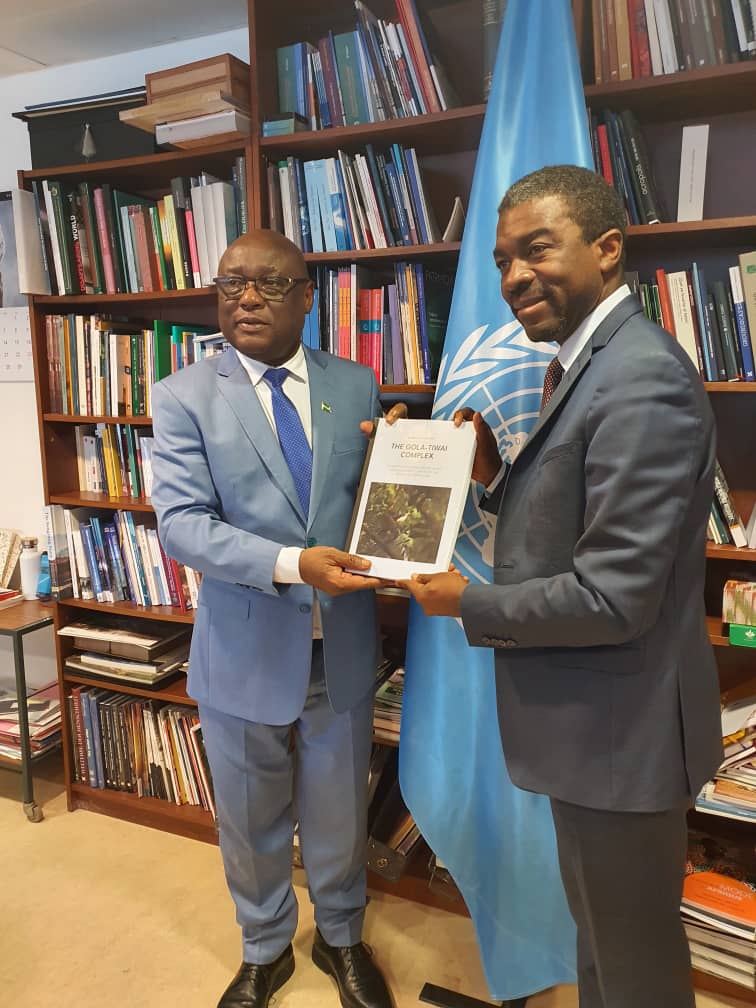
226	505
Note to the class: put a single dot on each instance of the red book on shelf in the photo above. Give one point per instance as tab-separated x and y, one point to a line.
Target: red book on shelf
665	302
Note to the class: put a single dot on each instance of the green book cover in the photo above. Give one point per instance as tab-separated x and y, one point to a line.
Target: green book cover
157	236
63	229
161	341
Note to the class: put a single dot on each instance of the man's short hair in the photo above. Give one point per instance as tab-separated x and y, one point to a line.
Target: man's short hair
593	204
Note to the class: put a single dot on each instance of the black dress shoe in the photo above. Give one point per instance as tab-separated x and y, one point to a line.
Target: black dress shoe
360	982
255	983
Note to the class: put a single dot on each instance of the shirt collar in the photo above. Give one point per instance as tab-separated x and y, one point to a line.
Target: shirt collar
296	365
569	351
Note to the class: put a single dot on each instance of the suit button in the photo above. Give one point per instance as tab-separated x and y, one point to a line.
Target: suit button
312	541
305	608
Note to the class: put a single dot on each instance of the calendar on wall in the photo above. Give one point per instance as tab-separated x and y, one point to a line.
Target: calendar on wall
16	363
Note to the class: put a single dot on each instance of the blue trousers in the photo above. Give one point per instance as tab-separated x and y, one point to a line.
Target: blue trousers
266	777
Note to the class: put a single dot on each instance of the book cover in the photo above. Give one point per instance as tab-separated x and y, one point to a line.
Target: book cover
690	196
412	493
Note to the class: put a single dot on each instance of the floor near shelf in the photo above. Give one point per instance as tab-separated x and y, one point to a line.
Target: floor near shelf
98	911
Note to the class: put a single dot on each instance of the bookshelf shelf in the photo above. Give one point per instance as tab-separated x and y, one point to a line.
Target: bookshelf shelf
702	92
442	250
721	232
156	170
717	552
186	820
717	636
166	613
438	133
423	390
79	419
174	692
194	294
36	757
736	387
85	498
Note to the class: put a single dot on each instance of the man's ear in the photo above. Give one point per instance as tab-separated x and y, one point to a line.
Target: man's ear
609	247
309	296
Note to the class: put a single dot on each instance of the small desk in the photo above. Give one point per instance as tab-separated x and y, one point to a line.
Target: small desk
15	622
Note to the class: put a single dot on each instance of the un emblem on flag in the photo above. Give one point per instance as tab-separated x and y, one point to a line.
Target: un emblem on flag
499	374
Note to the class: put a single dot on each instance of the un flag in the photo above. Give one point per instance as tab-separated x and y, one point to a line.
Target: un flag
497	841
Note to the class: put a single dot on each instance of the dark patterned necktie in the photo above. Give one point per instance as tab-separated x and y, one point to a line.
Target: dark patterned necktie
554	374
291	435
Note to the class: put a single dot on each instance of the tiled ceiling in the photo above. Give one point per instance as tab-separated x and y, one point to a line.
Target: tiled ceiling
42	33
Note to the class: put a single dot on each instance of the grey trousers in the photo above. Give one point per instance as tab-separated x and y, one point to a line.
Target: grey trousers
623	875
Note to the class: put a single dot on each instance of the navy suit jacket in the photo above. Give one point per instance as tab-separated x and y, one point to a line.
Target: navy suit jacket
607	687
226	504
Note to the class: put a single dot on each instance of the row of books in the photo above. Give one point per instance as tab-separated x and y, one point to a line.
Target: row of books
95	239
44	716
99	366
113	558
719	908
380	70
714	322
361	201
114	459
643	38
153	750
620	154
397	328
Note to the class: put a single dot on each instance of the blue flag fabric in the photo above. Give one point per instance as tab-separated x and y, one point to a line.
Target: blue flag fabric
496	840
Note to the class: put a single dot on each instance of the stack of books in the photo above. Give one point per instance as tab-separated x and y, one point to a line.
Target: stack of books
138	655
10	550
732	793
387	712
10	597
190	105
719	909
44	711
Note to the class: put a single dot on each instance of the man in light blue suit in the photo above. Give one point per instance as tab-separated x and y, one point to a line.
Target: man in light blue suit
258	455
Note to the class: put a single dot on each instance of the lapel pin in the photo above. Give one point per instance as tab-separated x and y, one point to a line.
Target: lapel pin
325	407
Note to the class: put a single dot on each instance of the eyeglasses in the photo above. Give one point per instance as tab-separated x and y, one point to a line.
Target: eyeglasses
271	288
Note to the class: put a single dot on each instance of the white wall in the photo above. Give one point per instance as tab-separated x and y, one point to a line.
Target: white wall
20	470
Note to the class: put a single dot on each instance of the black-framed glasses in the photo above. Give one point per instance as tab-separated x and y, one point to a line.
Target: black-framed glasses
272	288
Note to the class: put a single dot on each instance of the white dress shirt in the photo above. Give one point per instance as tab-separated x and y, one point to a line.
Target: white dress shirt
297	388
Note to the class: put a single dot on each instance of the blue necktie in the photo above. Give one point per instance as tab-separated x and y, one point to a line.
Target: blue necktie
291	436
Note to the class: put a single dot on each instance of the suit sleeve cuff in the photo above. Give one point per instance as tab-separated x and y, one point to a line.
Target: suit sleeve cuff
496	480
286	569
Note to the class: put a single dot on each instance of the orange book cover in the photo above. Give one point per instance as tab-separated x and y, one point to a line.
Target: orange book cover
722	895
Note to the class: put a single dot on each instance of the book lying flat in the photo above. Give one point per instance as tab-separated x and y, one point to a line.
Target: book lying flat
139	644
123	674
411	497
